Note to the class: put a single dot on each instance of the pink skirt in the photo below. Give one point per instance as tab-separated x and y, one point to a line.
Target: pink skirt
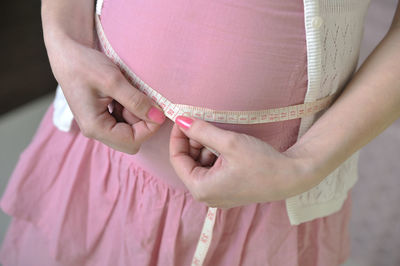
75	201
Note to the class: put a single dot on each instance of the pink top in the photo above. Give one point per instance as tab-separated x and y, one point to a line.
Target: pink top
224	55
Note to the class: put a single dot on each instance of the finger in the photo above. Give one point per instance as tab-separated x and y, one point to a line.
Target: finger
206	157
185	166
207	134
120	135
129	117
195	149
195	144
133	99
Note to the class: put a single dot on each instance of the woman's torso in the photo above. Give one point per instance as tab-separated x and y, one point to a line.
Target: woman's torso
224	55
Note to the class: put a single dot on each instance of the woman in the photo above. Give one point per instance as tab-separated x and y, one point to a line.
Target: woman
96	204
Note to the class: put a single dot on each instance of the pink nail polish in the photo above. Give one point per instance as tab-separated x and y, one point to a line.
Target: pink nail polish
156	115
184	121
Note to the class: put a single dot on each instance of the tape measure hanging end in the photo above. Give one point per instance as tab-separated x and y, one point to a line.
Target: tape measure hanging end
205	238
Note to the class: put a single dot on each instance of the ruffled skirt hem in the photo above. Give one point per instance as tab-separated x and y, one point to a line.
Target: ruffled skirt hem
75	201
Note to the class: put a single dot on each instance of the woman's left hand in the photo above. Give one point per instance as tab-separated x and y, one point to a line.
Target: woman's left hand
248	170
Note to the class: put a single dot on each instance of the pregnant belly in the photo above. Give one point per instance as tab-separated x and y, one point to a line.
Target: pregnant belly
224	55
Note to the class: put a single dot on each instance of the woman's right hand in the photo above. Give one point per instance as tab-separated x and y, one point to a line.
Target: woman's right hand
90	81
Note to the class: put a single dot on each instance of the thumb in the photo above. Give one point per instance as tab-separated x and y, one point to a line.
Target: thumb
207	134
135	101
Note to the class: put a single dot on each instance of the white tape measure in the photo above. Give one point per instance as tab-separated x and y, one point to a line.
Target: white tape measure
172	110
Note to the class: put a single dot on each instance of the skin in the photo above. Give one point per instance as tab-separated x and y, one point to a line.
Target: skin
90	81
248	169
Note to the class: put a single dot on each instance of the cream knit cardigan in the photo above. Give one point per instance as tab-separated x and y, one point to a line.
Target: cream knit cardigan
334	30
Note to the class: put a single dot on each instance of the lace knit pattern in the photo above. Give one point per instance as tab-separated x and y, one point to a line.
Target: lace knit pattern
336	51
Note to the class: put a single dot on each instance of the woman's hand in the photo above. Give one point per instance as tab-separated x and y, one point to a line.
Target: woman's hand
90	82
248	170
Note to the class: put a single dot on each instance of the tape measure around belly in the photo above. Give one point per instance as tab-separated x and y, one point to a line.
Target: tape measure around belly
172	110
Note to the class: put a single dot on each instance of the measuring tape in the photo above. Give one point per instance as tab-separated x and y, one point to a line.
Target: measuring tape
172	110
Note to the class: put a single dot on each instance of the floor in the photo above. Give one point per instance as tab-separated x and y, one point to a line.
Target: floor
375	226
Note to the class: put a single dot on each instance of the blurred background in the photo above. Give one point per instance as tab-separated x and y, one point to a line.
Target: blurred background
28	87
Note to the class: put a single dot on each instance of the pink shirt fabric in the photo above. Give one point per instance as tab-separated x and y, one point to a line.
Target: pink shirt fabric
224	55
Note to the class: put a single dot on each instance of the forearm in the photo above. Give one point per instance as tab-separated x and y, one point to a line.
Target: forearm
68	19
367	106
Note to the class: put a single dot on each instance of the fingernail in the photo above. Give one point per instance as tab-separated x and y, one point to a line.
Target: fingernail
184	121
156	115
